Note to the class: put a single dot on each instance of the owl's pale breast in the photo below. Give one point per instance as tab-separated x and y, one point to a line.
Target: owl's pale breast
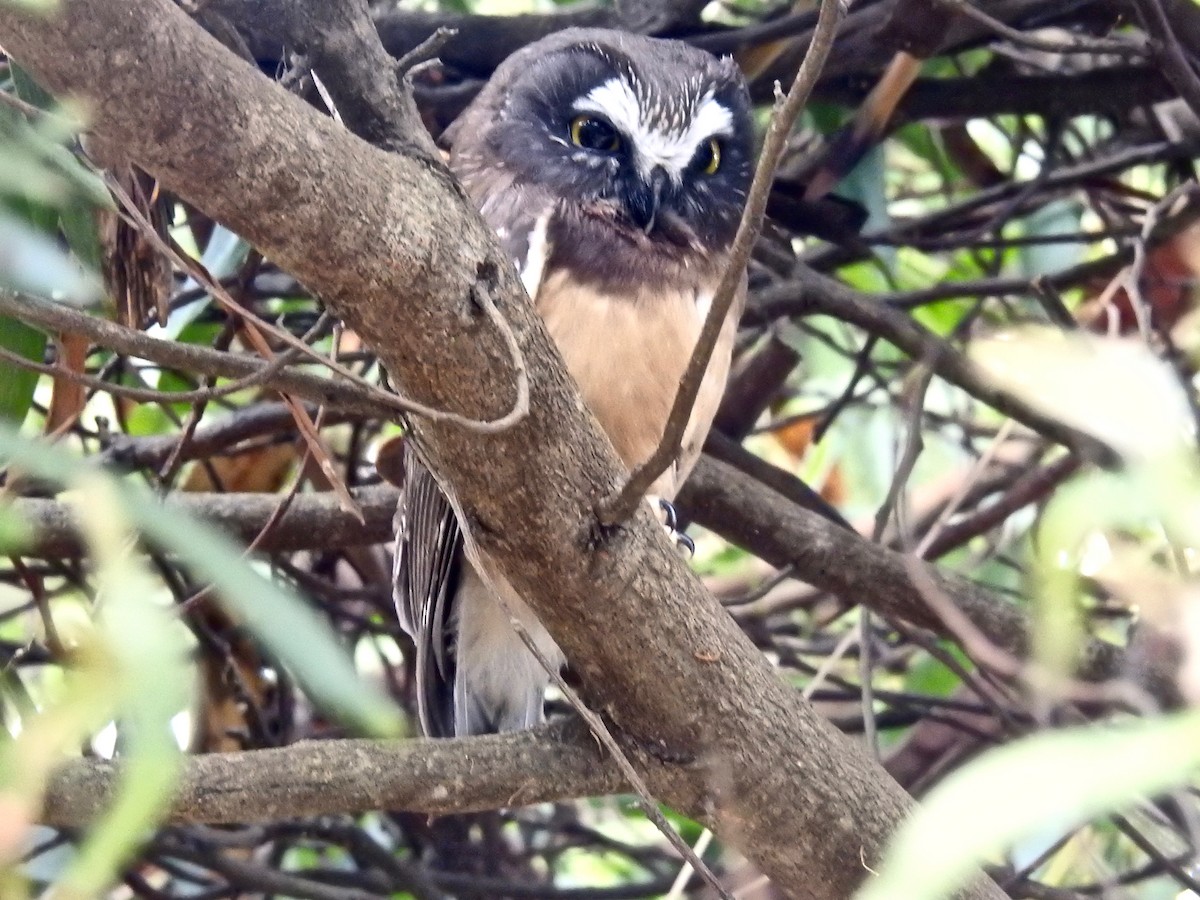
627	354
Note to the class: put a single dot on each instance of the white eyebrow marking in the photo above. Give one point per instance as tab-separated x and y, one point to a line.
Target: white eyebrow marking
658	143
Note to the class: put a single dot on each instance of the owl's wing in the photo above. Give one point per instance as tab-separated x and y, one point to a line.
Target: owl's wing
429	545
426	576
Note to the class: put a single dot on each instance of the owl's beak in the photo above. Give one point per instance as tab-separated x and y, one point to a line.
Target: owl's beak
644	198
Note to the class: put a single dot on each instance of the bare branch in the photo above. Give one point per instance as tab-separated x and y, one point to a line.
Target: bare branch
313	778
620	506
811	292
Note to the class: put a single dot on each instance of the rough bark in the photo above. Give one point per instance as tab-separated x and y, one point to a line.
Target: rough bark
314	778
389	241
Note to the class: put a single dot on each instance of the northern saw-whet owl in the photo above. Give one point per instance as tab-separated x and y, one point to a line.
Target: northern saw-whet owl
614	169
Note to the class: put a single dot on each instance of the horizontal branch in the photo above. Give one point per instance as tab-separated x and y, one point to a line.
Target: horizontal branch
720	497
313	778
222	435
57	318
826	556
1104	92
311	521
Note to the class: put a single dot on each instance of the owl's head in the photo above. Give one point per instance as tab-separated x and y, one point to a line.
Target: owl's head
654	132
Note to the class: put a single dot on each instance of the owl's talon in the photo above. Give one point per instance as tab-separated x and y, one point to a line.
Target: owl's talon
664	510
684	544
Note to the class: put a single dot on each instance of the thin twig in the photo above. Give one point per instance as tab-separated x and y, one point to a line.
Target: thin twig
55	317
424	52
1074	44
620	506
1169	52
152	395
197	270
645	799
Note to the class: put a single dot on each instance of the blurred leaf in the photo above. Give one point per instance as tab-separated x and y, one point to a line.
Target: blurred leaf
47	135
941	318
38	5
866	184
149	661
290	630
1088	504
14	533
28	89
918	139
1119	391
83	703
1112	388
79	227
932	678
33	262
1052	779
77	218
38	165
1055	217
142	419
17	384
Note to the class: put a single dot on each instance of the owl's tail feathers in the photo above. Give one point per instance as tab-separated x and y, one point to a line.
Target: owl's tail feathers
479	713
498	684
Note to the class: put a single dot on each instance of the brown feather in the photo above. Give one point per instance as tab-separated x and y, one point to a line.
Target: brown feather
628	353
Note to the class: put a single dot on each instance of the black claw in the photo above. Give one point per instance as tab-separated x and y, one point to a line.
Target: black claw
682	540
670	518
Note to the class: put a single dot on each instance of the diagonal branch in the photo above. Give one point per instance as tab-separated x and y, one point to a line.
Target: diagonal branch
620	506
813	293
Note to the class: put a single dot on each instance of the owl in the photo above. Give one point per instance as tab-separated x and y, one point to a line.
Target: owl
614	169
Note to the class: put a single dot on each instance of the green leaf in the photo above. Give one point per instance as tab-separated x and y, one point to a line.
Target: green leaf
28	89
79	227
17	384
36	5
152	685
32	261
1015	791
15	535
290	630
1056	217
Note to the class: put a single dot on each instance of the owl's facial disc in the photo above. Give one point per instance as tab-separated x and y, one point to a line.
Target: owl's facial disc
660	143
659	136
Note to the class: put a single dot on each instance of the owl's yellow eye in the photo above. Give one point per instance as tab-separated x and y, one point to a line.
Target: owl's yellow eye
591	133
708	157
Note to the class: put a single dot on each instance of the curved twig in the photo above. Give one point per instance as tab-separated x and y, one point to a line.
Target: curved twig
620	506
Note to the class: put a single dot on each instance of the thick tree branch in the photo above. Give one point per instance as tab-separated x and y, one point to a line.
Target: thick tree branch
744	511
752	515
313	778
389	241
220	436
1112	92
